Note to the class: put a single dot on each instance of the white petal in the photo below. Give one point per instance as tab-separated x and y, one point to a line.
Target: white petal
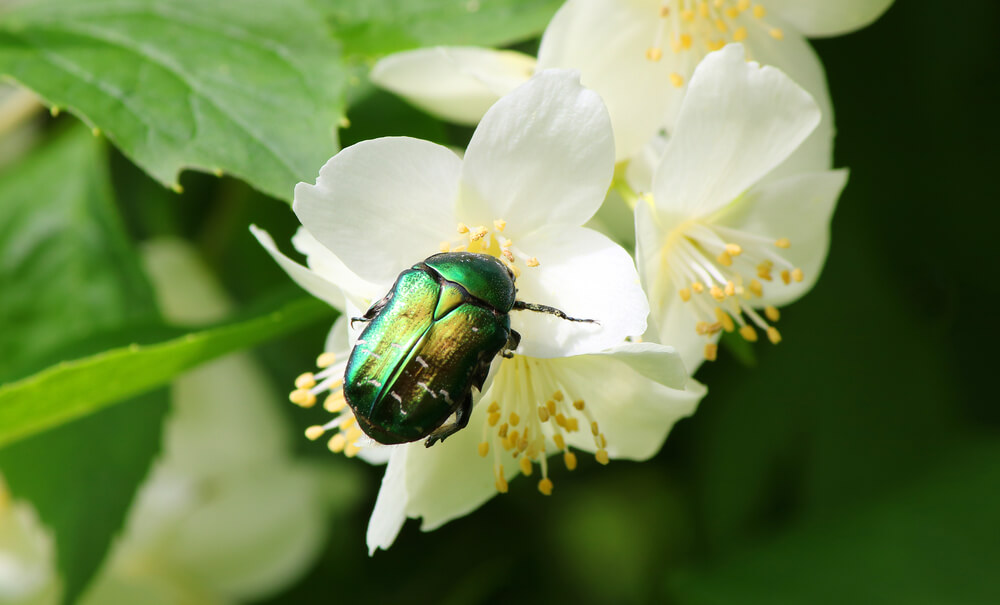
799	208
586	275
796	58
306	278
543	154
607	40
817	18
382	205
634	411
454	83
390	507
327	265
738	121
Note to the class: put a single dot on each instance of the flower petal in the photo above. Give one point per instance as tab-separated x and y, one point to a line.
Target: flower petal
306	278
738	121
607	41
799	208
586	275
628	399
796	58
390	506
326	264
382	205
544	154
818	18
457	84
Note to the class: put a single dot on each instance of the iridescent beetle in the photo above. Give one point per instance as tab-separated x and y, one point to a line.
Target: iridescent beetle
429	342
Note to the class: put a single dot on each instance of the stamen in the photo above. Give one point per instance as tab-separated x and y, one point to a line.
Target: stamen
314	432
711	351
499	224
748	333
545	486
326	360
773	335
532	262
463	228
305	380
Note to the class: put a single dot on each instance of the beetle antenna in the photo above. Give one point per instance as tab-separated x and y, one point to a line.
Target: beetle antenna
525	306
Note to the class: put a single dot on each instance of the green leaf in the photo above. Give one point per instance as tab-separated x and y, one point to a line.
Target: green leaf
67	272
252	88
76	388
373	28
934	541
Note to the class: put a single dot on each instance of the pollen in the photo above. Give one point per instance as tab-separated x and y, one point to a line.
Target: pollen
776	33
601	456
302	398
783	243
463	228
797	274
314	432
772	313
676	80
711	351
499	224
305	380
654	54
569	459
748	333
773	335
545	486
336	443
326	360
508	255
532	262
484	449
525	464
685	294
478	233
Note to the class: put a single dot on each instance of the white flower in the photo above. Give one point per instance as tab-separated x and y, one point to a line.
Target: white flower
718	242
638	55
226	514
537	168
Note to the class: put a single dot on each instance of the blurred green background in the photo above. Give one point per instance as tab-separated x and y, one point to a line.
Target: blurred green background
857	462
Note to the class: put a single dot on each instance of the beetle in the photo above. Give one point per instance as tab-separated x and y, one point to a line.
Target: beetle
428	342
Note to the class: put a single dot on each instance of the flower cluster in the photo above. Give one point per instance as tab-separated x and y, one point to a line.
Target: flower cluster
723	164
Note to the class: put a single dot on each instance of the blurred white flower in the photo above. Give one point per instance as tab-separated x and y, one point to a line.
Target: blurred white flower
718	245
227	514
638	55
537	168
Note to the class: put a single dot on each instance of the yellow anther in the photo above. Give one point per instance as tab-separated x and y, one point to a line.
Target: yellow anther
743	5
711	351
351	450
494	407
687	15
543	414
797	274
478	233
335	403
551	405
302	397
502	431
759	11
603	440
773	335
514	419
776	33
734	249
717	293
748	333
506	243
725	320
740	34
326	360
724	259
685	294
463	228
499	224
314	432
305	380
525	466
572	425
560	442
715	44
569	459
348	423
783	243
602	456
594	428
501	483
507	444
545	486
664	11
721	25
493	418
579	404
697	287
532	262
732	12
444	246
756	288
483	449
703	8
561	420
676	79
786	276
558	396
772	313
508	255
730	288
513	437
654	54
703	327
686	41
336	443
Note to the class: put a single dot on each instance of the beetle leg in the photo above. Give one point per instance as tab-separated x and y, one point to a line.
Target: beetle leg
526	306
512	343
462	415
373	310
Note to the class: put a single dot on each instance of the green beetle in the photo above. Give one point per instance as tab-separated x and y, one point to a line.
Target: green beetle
429	342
